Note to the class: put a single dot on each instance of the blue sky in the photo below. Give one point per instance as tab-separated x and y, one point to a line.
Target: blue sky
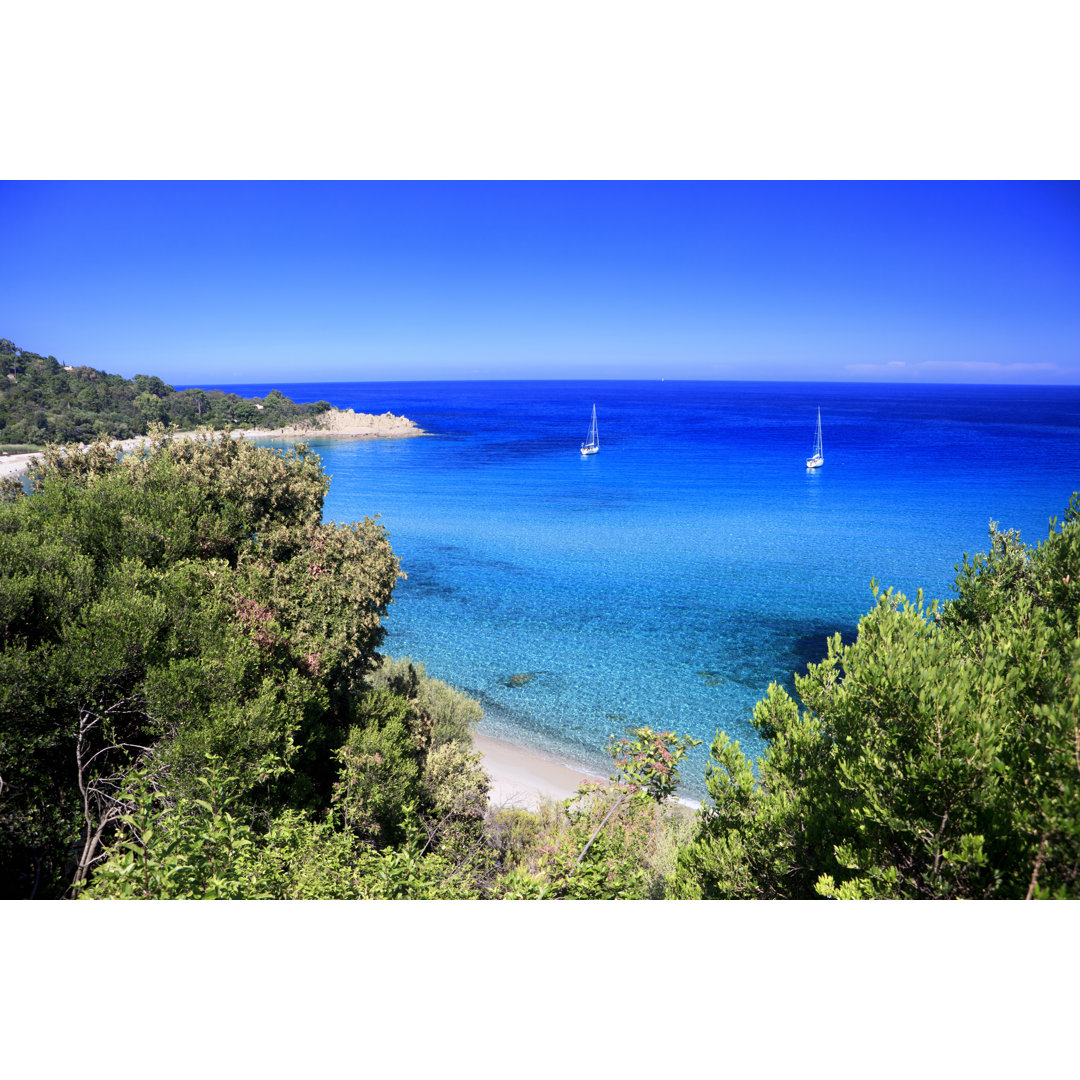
211	283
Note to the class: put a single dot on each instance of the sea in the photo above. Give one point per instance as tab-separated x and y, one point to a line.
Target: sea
670	578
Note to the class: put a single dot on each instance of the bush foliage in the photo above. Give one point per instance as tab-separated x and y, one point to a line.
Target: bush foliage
184	601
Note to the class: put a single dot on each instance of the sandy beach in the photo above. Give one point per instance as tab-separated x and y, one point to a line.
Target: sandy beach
522	778
337	423
13	464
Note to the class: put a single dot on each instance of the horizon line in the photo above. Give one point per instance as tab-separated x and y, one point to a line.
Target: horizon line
811	382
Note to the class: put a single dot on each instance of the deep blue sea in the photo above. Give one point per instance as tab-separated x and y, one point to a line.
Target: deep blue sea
669	578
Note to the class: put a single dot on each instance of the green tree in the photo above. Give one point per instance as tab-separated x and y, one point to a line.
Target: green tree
183	601
150	407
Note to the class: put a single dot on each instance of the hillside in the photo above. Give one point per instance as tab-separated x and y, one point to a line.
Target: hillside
43	400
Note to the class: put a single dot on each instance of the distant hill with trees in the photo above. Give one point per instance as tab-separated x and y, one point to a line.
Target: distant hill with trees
43	401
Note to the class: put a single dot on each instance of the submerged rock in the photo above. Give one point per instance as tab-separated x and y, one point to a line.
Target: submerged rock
520	679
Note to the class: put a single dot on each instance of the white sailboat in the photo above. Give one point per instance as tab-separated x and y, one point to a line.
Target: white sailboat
592	444
819	457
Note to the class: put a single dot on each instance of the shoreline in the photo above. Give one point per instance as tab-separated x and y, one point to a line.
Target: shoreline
336	424
522	778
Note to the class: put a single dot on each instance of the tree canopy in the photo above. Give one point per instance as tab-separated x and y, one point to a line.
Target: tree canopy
184	601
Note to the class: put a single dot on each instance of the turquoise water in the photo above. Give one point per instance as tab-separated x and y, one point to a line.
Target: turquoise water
669	578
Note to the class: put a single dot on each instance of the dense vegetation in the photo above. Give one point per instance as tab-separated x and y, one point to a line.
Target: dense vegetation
193	704
43	401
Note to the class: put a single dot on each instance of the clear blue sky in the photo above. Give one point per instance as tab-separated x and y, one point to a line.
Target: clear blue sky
211	283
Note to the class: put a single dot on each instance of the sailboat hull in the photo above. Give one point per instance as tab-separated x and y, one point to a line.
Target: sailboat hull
586	450
815	462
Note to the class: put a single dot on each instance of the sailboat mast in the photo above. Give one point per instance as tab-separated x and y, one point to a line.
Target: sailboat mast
819	455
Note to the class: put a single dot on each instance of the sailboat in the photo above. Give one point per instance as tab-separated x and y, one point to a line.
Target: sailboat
819	458
592	444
